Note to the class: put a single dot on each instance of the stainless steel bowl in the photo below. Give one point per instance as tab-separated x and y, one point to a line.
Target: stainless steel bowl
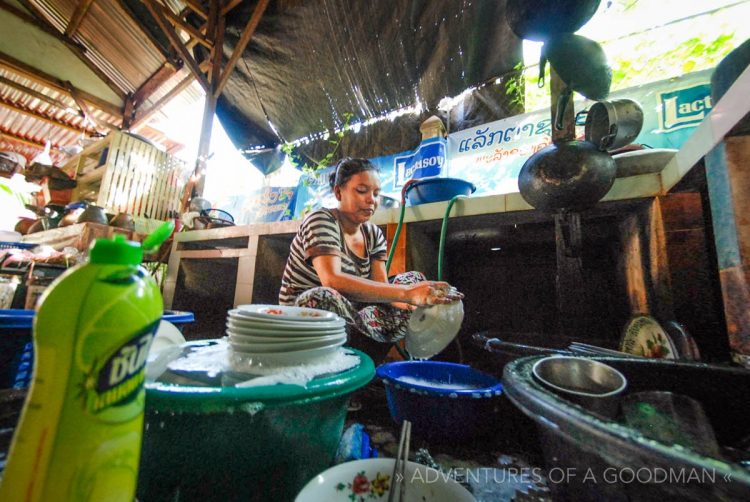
388	202
591	384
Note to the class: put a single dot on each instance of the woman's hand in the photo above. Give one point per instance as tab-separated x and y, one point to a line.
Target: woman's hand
432	293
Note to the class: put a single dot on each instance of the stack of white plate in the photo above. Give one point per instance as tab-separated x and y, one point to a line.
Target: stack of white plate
276	335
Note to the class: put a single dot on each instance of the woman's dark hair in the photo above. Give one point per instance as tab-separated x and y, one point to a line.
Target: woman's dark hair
348	167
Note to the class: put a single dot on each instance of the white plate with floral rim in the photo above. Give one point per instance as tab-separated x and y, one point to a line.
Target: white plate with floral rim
285	313
644	336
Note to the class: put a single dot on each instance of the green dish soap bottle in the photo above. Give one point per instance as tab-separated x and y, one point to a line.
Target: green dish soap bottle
79	435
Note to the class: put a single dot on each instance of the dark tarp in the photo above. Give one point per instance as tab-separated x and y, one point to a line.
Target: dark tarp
311	62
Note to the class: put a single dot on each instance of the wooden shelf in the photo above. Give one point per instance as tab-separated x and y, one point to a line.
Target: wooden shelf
78	236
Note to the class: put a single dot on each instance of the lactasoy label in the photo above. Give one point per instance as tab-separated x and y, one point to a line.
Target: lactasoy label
426	161
684	107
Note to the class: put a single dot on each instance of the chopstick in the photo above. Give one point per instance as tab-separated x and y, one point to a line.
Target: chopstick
398	477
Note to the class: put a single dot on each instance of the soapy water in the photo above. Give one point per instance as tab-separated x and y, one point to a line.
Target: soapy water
213	363
423	382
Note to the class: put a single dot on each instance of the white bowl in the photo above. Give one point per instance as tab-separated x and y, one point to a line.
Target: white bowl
167	335
370	479
432	328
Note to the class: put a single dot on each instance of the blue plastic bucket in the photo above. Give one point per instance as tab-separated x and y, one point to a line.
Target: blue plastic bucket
17	349
178	317
428	190
15	337
446	402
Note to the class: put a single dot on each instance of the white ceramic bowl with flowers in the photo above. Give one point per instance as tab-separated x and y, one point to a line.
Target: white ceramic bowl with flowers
370	480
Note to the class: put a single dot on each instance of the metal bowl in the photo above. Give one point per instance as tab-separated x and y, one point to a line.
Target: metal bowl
593	385
388	202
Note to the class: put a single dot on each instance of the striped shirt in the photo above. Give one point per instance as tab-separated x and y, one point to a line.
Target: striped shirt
320	234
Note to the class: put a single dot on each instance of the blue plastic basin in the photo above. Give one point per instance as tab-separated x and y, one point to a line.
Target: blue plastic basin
429	190
446	402
16	348
178	317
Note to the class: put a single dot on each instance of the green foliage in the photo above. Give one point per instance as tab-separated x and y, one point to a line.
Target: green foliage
669	51
514	86
311	166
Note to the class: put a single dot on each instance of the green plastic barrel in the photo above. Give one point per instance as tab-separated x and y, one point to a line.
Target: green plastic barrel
255	443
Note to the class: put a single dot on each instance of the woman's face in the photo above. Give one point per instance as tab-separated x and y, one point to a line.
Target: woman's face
358	197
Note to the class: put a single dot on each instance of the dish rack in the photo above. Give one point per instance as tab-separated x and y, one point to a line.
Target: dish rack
124	174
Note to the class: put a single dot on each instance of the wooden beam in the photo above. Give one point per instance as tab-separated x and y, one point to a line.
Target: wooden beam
85	109
128	114
193	5
192	31
177	43
150	36
215	32
229	6
247	33
153	83
35	94
75	21
44	118
19	139
142	117
77	49
20	68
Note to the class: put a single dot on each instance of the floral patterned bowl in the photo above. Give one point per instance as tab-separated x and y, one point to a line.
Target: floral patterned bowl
369	480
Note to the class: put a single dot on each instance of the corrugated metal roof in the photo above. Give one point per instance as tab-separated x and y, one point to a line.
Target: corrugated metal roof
111	37
118	47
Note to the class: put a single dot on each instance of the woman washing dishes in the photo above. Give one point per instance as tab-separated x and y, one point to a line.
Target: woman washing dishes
337	263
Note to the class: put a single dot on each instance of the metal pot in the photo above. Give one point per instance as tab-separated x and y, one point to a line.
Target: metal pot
93	214
570	175
540	19
613	124
24	225
727	71
122	220
215	218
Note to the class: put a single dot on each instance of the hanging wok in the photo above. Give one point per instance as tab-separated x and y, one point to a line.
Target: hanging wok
580	62
569	175
540	19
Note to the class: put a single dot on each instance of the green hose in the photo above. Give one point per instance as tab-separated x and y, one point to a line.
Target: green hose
443	231
407	186
395	238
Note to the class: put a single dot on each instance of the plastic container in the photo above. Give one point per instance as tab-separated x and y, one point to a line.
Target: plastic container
15	335
602	459
17	350
178	317
79	435
446	402
428	190
214	441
